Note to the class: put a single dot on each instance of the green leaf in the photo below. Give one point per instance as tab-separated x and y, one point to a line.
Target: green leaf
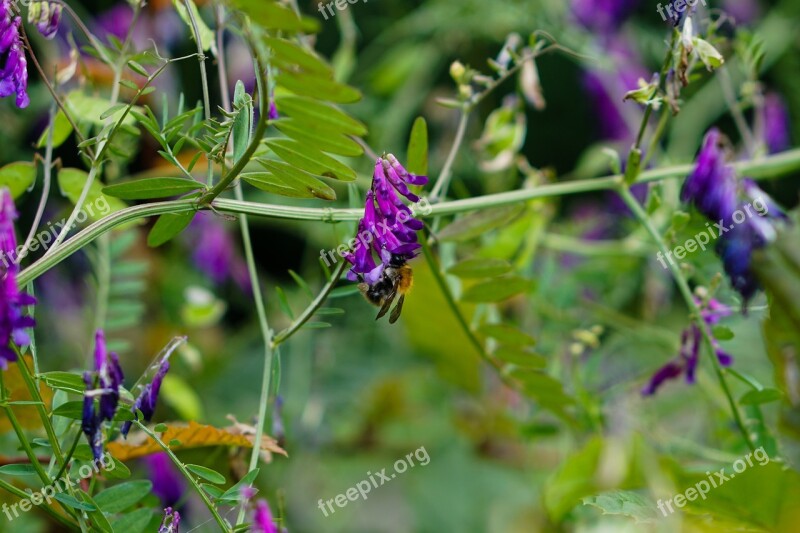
286	180
62	129
65	381
506	334
233	493
167	227
92	108
73	410
301	283
149	188
478	224
120	471
243	124
480	268
417	162
758	397
496	290
284	302
310	159
521	358
123	496
96	205
723	333
17	177
316	135
624	503
18	470
313	111
272	16
160	428
328	89
71	501
134	522
289	56
205	33
206	473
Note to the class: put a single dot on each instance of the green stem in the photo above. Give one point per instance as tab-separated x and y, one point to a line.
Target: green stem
61	519
696	316
312	308
440	188
188	475
772	166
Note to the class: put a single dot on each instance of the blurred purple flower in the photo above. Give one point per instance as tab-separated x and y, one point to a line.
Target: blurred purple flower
262	519
214	251
171	521
388	227
744	11
168	484
146	401
13	65
46	16
691	339
104	383
605	16
713	189
273	111
12	300
777	125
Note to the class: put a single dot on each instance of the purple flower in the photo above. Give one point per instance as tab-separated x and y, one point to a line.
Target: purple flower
214	251
744	11
777	126
12	301
605	16
388	227
104	384
262	519
46	16
691	338
168	483
146	401
13	65
711	187
273	111
171	521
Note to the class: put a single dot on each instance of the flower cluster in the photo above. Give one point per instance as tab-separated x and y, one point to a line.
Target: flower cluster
146	401
714	190
13	65
691	339
262	519
12	321
171	521
46	16
603	15
102	393
389	219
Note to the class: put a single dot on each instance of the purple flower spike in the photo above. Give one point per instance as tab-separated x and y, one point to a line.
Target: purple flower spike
171	521
777	126
46	16
168	484
388	227
262	519
146	401
104	384
12	301
14	73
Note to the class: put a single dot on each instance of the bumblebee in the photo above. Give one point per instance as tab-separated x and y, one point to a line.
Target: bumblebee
396	278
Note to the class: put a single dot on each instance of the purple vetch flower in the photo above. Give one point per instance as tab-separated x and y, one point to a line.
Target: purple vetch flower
273	111
168	484
743	11
214	251
146	401
13	65
101	397
604	16
170	522
691	339
713	189
777	126
46	16
388	227
12	300
262	519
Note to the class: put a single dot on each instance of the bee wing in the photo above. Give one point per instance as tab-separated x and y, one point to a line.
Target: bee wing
397	309
387	303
